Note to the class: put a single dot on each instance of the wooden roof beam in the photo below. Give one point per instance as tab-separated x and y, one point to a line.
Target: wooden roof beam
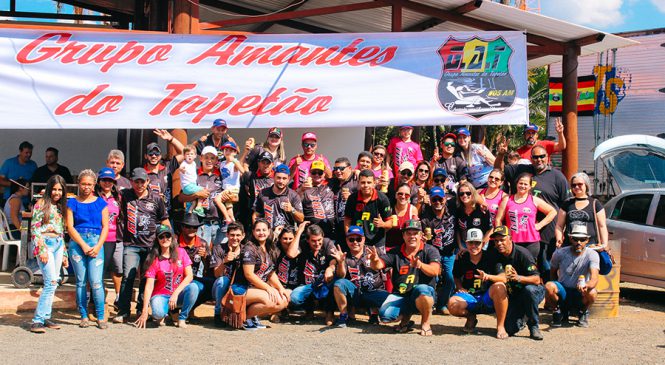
293	5
590	39
433	22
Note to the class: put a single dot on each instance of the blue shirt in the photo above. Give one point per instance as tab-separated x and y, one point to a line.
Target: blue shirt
12	169
87	216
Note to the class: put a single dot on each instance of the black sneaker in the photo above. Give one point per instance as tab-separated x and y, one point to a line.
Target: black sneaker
534	333
37	327
373	319
341	322
52	325
557	318
583	319
218	321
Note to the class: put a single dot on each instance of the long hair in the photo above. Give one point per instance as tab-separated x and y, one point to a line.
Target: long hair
156	251
114	191
384	164
474	194
61	204
280	149
271	244
428	182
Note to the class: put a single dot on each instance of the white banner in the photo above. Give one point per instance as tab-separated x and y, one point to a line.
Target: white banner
94	80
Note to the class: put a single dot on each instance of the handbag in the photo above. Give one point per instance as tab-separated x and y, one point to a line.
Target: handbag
605	255
234	307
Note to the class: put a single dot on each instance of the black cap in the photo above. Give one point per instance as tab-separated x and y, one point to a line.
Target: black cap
164	229
153	147
502	231
139	173
190	219
265	155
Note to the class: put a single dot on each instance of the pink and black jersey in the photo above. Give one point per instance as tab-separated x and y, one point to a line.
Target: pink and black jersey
168	275
401	151
493	203
521	219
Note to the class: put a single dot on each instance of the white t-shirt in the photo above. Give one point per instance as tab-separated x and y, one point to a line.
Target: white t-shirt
189	176
230	176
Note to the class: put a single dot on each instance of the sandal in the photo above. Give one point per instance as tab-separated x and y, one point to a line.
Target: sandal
85	323
426	332
102	325
404	328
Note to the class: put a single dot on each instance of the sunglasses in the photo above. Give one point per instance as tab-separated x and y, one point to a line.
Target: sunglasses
406	173
494	178
354	239
340	168
465	193
577	185
449	144
106	180
163	236
404	194
423	171
153	154
538	157
440	180
474	243
578	239
436	200
309	145
377	154
316	172
185	226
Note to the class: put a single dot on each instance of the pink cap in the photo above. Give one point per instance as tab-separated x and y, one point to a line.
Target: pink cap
308	135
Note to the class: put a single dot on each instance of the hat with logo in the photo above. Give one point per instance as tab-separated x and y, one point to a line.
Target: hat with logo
502	231
106	173
406	165
531	128
209	149
139	173
164	229
437	191
412	224
265	155
440	172
474	235
274	131
153	147
231	145
282	169
308	135
579	230
317	165
463	132
355	230
219	123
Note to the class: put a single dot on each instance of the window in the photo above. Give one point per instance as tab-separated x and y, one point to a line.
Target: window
633	208
659	218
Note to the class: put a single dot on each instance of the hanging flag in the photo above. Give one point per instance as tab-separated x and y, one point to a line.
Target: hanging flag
585	96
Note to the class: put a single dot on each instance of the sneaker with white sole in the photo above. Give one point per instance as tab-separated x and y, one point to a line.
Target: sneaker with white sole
258	324
249	325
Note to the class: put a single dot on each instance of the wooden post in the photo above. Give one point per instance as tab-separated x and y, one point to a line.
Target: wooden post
186	16
569	92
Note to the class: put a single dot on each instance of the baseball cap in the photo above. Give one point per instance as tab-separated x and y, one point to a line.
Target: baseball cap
474	235
449	135
317	165
500	231
139	173
275	131
153	147
308	135
440	172
106	173
463	131
437	191
412	224
265	155
355	230
531	127
231	145
406	165
219	123
163	229
579	230
406	126
209	149
282	168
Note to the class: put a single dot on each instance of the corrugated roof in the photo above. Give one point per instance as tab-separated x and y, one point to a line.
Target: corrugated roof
379	20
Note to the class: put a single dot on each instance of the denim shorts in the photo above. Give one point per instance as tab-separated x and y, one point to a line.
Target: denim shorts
478	303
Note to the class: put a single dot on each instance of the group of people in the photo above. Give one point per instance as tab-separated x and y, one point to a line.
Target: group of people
393	235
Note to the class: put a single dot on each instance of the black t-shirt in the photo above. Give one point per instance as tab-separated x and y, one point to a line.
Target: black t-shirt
340	204
160	183
269	206
213	184
263	264
200	266
253	158
210	142
404	277
219	255
141	216
251	184
43	173
479	218
443	229
363	214
584	216
465	270
455	166
360	273
521	260
318	204
312	266
287	271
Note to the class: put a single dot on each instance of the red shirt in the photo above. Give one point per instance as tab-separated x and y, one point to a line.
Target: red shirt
525	151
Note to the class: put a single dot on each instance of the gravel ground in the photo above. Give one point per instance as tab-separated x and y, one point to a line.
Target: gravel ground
636	336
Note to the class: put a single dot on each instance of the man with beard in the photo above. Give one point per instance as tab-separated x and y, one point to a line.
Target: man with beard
531	140
251	184
279	205
318	200
160	175
370	209
343	184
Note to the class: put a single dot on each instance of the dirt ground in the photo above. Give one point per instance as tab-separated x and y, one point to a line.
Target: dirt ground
636	336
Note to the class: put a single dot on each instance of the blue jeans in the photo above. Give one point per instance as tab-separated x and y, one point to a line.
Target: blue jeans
204	285
186	300
305	293
132	263
213	233
369	299
88	270
523	303
569	298
446	289
51	274
406	305
219	289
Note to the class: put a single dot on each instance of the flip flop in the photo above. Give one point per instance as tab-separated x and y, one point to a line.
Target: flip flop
502	336
400	328
426	332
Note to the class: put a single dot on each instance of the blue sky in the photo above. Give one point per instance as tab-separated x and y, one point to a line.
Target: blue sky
606	15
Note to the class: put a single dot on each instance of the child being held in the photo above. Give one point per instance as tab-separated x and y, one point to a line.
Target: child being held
188	179
231	169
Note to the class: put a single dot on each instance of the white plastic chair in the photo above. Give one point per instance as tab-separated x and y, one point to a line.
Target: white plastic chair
6	241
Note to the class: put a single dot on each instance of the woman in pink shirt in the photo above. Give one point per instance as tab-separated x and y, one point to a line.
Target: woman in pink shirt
520	210
107	190
402	148
168	283
493	193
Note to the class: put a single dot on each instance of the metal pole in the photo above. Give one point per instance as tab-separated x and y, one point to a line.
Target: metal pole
596	137
614	65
